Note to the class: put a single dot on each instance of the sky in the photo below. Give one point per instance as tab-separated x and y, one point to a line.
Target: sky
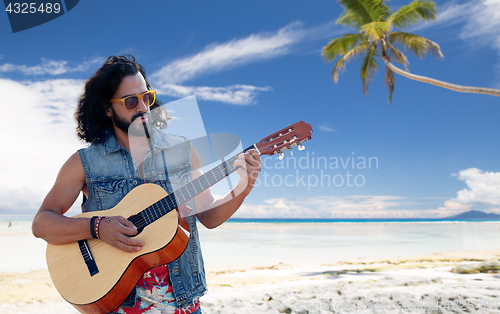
254	68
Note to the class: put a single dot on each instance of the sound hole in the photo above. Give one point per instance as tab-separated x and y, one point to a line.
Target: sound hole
139	222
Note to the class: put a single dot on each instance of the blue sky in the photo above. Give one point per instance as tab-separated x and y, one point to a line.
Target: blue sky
256	67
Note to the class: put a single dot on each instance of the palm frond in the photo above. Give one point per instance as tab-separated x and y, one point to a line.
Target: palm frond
418	10
417	45
396	55
365	11
375	30
348	20
389	82
369	66
349	56
384	11
340	46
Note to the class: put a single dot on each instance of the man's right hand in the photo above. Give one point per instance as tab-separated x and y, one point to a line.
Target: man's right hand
117	233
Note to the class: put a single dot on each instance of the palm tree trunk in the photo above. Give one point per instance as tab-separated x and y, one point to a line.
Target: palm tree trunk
458	88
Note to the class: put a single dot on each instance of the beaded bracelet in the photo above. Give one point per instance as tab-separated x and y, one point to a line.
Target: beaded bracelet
97	225
92	224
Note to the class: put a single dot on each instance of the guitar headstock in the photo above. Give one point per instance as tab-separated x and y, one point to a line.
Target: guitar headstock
286	138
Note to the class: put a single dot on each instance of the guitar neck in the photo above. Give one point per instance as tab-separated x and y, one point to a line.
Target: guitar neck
190	190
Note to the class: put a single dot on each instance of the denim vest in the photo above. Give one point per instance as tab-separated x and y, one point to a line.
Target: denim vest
111	173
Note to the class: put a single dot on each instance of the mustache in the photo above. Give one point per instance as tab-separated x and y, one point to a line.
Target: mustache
139	115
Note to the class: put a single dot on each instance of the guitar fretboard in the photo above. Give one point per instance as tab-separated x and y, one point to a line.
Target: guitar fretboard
190	190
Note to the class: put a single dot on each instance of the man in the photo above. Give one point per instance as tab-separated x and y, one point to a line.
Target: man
112	114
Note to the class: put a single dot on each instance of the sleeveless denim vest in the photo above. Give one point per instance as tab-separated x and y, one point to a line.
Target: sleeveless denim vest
111	173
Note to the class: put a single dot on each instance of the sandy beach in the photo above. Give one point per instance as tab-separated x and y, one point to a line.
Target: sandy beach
430	283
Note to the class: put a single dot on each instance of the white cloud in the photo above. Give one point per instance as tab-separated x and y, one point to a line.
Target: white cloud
51	67
235	94
219	57
452	13
326	129
483	27
483	23
236	52
37	135
483	188
357	206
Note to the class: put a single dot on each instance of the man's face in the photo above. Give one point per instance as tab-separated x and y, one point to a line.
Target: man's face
131	122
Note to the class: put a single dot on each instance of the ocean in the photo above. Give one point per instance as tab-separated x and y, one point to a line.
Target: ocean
308	242
301	242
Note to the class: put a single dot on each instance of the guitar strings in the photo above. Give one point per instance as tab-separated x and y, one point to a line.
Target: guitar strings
168	203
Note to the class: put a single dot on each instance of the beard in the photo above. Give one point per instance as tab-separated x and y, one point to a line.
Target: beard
135	127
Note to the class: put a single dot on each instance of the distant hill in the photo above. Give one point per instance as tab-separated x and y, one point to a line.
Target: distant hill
475	214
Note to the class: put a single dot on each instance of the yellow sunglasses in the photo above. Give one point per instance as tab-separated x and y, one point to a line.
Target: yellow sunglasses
131	102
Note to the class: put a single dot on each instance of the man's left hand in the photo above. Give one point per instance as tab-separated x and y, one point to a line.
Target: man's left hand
249	164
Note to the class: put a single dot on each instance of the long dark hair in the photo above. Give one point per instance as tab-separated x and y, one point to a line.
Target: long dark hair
92	105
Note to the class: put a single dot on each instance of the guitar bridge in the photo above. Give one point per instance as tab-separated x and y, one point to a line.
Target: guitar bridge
87	257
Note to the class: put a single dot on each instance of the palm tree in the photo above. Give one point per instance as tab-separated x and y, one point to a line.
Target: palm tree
375	39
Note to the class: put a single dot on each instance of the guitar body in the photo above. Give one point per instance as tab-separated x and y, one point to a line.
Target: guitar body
100	281
118	271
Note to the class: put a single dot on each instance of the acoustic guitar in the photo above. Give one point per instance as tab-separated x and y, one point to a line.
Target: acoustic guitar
96	277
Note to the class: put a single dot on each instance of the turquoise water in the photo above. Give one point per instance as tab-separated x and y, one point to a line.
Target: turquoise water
326	242
299	242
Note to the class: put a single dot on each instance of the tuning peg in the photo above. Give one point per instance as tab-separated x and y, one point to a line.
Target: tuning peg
291	151
301	147
281	154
